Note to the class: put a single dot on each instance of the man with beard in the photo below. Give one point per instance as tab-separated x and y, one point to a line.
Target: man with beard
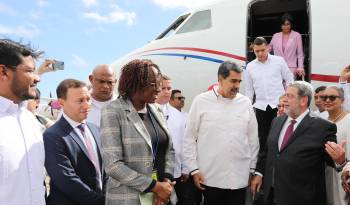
103	82
21	145
298	147
221	140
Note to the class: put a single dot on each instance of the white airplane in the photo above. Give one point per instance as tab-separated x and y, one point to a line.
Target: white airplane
192	47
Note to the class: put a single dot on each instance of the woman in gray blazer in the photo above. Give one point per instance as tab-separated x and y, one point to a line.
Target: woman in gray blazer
136	148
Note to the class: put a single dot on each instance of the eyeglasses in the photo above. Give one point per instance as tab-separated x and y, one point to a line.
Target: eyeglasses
180	98
280	106
330	97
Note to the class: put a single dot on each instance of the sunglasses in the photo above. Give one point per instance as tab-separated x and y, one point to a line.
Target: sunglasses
180	98
330	97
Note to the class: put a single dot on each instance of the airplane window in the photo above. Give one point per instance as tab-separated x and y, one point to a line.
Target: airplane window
170	30
199	21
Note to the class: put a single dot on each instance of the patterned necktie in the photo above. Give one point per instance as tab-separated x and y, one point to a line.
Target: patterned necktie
288	134
89	147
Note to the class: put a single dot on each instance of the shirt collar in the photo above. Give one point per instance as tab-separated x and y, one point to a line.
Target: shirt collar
7	105
72	123
300	117
219	96
267	60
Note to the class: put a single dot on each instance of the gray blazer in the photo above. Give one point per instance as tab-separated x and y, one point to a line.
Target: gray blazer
127	152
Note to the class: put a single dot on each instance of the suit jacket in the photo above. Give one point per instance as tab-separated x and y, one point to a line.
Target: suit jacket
127	152
297	172
73	176
293	53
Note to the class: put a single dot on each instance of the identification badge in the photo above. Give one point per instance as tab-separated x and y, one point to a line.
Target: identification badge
154	175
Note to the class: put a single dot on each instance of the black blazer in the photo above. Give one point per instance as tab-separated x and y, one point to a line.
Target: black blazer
73	176
296	173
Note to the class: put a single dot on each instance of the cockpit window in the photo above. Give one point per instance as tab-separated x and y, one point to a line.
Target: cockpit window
198	21
170	30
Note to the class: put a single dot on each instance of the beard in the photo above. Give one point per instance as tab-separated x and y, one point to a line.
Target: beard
21	91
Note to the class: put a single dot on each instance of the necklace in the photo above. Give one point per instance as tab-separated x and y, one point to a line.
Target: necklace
341	113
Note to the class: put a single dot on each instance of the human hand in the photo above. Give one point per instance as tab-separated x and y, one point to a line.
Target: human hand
45	66
198	179
336	151
345	176
255	184
158	201
163	190
300	71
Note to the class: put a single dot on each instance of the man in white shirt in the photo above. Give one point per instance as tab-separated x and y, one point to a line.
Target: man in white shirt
72	147
319	103
164	96
221	140
103	82
264	78
21	146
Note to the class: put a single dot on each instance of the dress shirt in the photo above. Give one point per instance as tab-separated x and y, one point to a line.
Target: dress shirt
176	125
221	139
95	112
286	124
88	134
266	81
165	109
21	156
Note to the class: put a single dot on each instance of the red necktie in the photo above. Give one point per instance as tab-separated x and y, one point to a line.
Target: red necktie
88	145
288	134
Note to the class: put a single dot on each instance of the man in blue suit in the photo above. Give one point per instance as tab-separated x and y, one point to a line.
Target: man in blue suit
72	149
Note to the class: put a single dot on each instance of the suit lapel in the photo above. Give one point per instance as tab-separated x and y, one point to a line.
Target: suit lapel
135	119
76	138
303	125
160	119
96	135
277	131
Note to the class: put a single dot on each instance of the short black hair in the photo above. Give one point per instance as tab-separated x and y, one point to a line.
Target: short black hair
259	41
173	92
321	88
63	87
287	17
226	67
11	52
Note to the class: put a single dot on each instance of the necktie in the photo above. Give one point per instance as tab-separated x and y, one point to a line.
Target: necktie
288	134
89	147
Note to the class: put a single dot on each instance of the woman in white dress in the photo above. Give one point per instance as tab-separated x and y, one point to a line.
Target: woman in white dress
333	98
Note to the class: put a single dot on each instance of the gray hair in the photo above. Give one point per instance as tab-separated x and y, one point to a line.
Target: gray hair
304	89
340	91
226	67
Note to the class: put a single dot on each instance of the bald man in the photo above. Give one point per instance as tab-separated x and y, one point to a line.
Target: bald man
103	81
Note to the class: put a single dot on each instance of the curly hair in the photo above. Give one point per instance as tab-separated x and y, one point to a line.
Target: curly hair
135	76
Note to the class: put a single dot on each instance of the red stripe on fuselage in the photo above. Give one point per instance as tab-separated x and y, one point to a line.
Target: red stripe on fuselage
325	78
199	50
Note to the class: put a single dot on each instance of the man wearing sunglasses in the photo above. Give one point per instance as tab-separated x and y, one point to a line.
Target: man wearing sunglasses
21	143
177	100
103	82
319	102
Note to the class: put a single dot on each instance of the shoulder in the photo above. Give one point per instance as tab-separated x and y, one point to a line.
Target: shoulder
276	35
55	130
295	33
115	107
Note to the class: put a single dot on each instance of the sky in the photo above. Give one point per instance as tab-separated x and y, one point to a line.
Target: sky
85	33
